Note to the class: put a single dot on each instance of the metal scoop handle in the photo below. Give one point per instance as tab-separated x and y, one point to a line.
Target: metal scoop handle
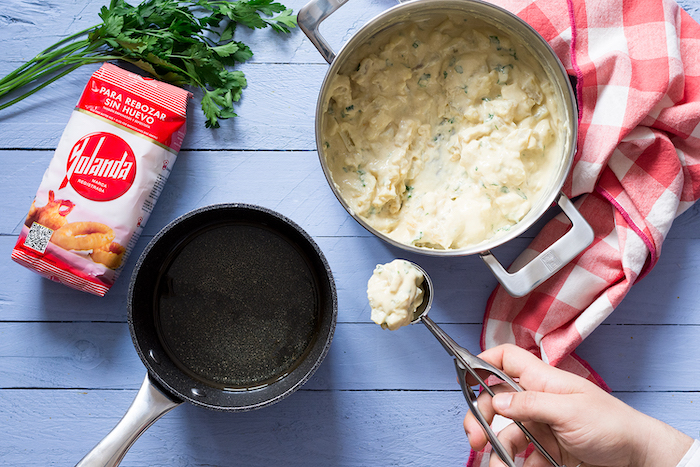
471	398
465	362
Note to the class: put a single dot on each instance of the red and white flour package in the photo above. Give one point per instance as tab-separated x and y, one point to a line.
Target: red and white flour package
108	170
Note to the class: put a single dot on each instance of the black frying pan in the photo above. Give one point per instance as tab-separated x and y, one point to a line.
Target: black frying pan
231	307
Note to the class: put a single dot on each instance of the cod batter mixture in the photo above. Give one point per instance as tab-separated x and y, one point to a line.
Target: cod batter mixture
444	136
394	293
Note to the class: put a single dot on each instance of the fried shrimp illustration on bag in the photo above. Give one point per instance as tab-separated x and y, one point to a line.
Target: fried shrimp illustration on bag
83	236
110	255
52	214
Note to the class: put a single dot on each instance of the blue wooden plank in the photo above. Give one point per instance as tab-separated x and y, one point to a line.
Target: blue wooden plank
25	296
363	357
101	355
666	296
30	26
291	183
352	430
274	113
309	428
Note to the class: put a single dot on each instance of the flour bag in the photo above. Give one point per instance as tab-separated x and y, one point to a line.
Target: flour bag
108	170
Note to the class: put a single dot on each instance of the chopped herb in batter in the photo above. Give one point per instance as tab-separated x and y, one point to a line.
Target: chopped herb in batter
423	80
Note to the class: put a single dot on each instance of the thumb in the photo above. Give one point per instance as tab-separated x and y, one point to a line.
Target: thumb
530	406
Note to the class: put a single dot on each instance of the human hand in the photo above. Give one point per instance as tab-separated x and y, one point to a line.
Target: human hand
575	420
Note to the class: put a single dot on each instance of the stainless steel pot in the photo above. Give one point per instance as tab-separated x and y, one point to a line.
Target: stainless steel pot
565	249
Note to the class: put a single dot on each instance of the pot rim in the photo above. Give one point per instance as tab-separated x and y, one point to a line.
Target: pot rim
536	45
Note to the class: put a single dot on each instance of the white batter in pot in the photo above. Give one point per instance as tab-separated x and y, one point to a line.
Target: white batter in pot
444	136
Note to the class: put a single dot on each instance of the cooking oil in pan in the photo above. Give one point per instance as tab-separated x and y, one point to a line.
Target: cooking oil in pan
237	307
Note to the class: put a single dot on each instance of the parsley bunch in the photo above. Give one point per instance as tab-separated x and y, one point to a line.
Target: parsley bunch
186	43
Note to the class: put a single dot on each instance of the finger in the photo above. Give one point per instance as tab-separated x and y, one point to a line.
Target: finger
516	441
475	433
474	430
485	400
536	460
544	436
533	406
533	373
513	441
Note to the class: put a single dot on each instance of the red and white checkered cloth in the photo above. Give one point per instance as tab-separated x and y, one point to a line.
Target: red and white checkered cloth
637	167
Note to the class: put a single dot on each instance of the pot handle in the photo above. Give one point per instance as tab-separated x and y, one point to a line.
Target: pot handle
148	406
551	260
309	19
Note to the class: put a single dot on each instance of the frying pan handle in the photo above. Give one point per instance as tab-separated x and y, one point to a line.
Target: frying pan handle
148	406
551	260
309	19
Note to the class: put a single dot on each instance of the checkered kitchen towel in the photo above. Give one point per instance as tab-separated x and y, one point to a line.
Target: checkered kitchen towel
637	65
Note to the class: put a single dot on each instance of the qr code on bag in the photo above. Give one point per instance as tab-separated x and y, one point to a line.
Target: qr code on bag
38	237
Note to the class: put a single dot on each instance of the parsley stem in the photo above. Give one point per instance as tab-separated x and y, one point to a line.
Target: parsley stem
81	62
42	85
40	67
48	52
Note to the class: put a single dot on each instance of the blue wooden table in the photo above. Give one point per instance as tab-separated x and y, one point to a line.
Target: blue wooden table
68	369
